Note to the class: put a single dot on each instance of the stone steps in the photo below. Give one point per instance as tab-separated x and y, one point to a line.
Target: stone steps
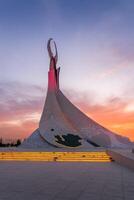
56	156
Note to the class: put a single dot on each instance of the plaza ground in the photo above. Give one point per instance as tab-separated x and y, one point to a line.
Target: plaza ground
65	181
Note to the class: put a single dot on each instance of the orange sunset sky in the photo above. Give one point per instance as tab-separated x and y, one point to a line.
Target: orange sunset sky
96	47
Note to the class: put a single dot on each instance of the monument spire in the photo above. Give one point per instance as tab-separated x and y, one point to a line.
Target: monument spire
53	74
53	59
63	125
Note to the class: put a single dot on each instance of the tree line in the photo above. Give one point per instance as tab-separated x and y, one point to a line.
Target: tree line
9	144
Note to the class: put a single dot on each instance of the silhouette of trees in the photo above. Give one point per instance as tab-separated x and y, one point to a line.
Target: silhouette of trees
18	142
9	144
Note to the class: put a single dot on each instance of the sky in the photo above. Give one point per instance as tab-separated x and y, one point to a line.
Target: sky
95	52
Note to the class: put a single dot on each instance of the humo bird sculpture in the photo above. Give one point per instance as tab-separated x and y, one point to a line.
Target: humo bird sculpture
63	125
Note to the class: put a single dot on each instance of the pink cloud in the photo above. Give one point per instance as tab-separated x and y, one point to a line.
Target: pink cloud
20	111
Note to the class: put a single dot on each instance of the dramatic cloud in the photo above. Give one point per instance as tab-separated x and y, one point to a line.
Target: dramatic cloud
21	106
20	109
116	114
95	47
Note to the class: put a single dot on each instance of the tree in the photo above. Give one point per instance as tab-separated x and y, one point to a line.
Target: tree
18	142
0	141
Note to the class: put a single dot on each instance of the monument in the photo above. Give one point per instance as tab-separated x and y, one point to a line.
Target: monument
63	125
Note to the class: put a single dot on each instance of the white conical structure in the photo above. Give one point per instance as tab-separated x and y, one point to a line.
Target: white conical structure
63	125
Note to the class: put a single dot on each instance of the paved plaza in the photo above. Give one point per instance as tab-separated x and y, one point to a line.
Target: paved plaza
65	181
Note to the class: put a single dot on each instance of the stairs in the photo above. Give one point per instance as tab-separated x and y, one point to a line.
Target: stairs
93	156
